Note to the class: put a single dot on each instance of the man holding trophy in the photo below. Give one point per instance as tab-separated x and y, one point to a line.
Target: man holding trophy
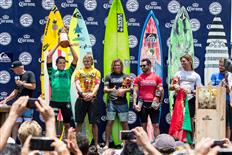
60	78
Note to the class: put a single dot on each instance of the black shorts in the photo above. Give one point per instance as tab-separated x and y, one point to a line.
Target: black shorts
82	107
147	110
65	110
228	115
192	106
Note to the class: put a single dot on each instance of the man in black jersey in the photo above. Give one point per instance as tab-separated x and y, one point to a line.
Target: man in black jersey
25	84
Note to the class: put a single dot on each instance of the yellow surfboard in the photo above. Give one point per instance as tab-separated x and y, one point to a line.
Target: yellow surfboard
50	39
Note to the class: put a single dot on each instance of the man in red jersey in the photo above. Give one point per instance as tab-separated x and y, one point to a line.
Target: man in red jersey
149	86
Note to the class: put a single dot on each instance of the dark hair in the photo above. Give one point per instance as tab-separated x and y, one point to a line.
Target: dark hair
113	63
147	60
93	150
60	58
131	148
189	58
10	149
83	143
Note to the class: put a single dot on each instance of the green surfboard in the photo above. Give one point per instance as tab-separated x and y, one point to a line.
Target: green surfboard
116	45
181	42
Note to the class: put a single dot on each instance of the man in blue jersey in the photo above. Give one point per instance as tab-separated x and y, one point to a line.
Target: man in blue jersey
221	78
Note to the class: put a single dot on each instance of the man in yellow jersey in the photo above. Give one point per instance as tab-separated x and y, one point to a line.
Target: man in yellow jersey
87	82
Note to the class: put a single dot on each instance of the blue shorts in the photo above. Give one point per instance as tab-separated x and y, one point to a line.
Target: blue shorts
120	109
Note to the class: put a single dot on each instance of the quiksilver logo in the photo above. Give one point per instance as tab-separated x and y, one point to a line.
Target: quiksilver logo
4	57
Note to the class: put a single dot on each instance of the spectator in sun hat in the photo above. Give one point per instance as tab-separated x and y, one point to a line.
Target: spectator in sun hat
165	143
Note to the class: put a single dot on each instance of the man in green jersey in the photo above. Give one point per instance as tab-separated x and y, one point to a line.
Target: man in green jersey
60	81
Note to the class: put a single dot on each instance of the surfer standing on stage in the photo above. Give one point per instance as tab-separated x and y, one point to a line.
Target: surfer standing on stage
60	81
118	104
184	84
150	89
223	78
87	82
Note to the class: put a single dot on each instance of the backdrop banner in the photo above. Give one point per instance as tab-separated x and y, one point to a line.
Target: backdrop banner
22	25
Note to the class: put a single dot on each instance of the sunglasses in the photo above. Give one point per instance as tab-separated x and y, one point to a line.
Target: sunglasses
143	66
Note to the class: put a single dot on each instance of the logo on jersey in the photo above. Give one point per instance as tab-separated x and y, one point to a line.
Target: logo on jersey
5	4
215	8
25	58
5	38
48	4
173	6
132	5
90	5
4	77
26	20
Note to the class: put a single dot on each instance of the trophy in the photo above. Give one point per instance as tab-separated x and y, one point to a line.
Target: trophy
64	42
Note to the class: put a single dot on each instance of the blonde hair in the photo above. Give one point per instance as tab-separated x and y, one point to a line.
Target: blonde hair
29	128
189	58
89	56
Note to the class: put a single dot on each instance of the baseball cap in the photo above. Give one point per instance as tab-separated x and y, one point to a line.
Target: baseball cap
16	64
164	142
